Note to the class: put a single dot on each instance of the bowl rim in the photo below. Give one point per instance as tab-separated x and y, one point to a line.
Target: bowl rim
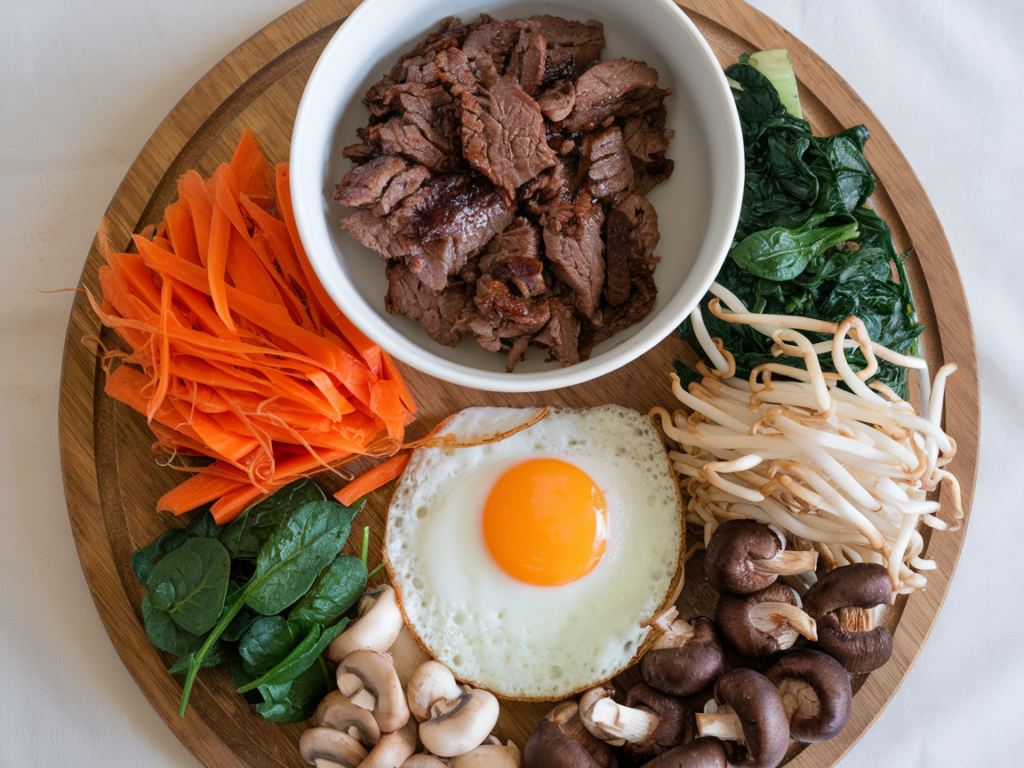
307	209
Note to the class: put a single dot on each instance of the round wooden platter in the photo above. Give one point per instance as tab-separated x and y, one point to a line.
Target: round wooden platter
112	480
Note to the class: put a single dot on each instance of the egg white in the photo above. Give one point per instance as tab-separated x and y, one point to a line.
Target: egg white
517	639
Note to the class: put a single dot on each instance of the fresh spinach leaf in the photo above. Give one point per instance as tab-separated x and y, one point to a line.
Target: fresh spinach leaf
780	254
203	526
165	634
288	563
335	591
291	559
268	640
301	657
239	625
190	584
240	677
144	559
244	536
295	701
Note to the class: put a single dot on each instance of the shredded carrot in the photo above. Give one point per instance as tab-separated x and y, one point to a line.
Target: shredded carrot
243	356
373	479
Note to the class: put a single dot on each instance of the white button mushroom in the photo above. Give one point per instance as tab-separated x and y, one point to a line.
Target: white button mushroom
453	721
380	621
374	672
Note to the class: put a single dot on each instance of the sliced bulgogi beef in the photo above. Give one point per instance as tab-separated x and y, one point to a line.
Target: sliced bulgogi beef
616	88
425	128
617	249
400	187
437	229
513	256
637	217
515	354
561	334
581	42
497	315
436	311
503	135
646	176
557	101
607	164
576	253
645	134
526	65
363	186
490	43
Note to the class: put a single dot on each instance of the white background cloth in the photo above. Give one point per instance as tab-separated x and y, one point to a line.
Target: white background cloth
84	84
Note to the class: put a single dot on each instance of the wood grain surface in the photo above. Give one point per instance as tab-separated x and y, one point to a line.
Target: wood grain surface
112	480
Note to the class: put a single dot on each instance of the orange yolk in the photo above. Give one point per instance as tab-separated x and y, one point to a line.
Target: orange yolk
545	522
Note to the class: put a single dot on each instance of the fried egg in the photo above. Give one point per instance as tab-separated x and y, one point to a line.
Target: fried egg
531	565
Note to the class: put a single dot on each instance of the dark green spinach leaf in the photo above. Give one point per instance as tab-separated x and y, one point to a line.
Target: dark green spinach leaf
244	536
144	559
301	657
165	634
190	584
780	254
268	641
295	701
335	591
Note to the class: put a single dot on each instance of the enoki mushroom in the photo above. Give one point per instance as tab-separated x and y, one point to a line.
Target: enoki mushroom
847	470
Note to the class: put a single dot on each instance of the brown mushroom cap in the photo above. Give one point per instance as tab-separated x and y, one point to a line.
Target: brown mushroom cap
671	730
732	554
733	617
699	753
860	585
688	667
549	747
761	713
831	686
566	716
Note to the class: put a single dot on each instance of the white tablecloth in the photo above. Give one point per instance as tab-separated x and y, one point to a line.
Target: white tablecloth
84	84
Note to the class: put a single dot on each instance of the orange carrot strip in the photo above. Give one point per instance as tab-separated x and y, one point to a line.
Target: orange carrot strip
203	397
196	304
229	444
217	254
126	384
194	492
230	506
385	402
247	272
292	300
136	276
391	373
181	232
251	169
369	351
193	190
163	373
373	479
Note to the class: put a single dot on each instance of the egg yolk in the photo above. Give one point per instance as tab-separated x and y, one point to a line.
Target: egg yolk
545	522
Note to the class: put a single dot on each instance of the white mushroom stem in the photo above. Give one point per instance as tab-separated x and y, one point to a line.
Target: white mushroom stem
612	722
784	622
674	631
788	562
726	727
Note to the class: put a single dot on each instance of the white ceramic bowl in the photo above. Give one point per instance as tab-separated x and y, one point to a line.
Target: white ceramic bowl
697	207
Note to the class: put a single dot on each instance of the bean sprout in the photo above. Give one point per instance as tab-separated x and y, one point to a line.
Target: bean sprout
847	472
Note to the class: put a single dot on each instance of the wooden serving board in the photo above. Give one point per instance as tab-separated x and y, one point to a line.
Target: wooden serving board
112	480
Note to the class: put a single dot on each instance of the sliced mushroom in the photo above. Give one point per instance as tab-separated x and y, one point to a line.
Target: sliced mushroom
424	760
744	556
699	753
326	747
764	622
406	654
342	714
860	585
650	722
686	658
758	721
562	740
374	672
380	621
393	748
816	692
489	756
456	720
